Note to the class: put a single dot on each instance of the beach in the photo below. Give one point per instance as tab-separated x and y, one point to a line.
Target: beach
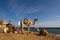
57	37
25	36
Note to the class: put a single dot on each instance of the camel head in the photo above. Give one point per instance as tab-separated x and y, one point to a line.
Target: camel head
35	19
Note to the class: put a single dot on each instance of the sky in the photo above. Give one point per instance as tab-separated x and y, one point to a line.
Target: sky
47	11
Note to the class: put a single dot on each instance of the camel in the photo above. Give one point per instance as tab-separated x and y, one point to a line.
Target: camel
3	26
28	23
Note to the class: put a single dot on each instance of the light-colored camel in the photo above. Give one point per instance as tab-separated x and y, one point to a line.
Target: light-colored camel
3	26
26	22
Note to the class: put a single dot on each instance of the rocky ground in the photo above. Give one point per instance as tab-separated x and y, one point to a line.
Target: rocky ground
25	36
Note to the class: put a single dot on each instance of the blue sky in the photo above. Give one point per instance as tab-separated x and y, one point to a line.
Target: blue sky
47	11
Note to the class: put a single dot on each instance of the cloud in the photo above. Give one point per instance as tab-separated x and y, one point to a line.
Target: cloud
21	9
48	24
58	16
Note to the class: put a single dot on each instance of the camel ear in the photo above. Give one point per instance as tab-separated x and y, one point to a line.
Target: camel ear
36	19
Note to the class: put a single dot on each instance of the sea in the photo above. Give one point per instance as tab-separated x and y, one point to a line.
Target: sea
53	30
50	30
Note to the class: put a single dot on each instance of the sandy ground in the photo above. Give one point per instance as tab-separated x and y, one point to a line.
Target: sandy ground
31	36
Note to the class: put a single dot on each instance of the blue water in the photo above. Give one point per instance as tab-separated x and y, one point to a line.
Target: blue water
53	30
50	30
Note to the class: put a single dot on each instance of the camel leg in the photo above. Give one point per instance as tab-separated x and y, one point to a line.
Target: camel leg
28	29
5	30
22	28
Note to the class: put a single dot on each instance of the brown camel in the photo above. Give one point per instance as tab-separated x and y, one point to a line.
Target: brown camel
26	22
